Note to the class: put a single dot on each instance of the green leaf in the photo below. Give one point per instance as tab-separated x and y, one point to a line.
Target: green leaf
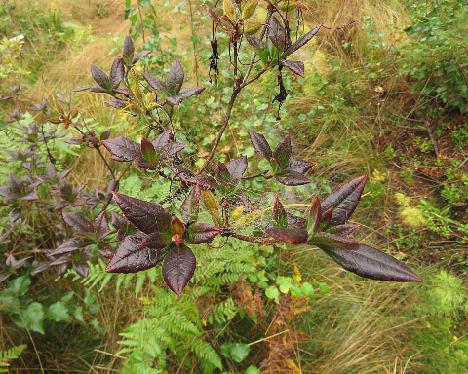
272	293
20	285
238	352
32	318
307	289
78	314
324	287
252	370
58	312
284	283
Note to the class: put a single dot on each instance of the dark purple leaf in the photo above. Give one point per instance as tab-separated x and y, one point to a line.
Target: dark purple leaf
139	56
371	263
346	229
40	106
147	217
68	246
32	196
222	173
128	47
81	269
120	222
345	200
279	214
78	223
282	153
202	233
277	34
297	67
177	99
261	145
302	40
130	258
237	167
117	72
292	178
95	89
155	83
255	42
324	239
298	165
41	268
156	240
162	139
116	103
100	77
174	100
101	226
187	92
285	235
178	268
295	221
175	78
122	149
171	149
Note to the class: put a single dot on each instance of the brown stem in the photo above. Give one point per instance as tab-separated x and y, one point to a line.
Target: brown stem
224	125
105	162
432	136
252	239
195	53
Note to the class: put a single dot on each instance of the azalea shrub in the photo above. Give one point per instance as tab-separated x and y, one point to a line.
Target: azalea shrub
207	202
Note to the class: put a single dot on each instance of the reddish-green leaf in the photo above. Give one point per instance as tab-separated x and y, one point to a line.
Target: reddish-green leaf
314	218
261	145
178	268
279	214
147	151
191	205
285	235
199	232
324	239
131	258
371	263
122	149
147	217
282	153
345	200
222	173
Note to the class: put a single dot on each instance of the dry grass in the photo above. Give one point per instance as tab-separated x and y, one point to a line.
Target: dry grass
359	327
